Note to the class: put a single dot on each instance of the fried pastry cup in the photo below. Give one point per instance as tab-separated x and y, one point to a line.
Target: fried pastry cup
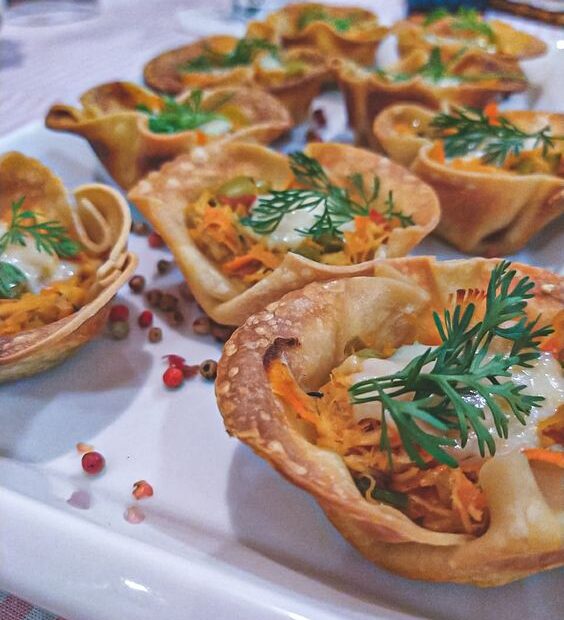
120	135
98	218
401	130
487	211
163	198
355	43
312	331
508	42
296	92
367	93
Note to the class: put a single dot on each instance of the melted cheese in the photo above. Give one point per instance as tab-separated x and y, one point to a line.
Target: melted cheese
217	127
544	378
481	42
39	268
286	235
270	63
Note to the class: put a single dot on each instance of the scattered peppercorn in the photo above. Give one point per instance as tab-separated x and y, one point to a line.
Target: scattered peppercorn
93	463
137	284
145	319
173	377
208	369
313	136
119	330
154	297
164	266
119	313
168	302
155	240
202	325
185	292
319	117
175	318
155	334
140	228
142	489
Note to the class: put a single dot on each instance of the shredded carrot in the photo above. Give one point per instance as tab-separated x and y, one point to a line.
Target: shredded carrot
285	387
201	138
56	301
257	257
491	111
545	455
437	152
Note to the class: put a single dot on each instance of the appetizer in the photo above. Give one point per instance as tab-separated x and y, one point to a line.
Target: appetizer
465	29
133	130
347	32
60	264
293	76
423	408
499	176
246	224
427	77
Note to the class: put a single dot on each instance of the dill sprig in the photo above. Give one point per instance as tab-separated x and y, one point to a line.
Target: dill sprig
463	19
12	281
318	14
466	130
434	70
469	19
175	116
337	205
464	370
242	54
50	236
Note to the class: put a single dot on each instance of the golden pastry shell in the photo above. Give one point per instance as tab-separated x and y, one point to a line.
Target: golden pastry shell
312	330
367	94
100	220
128	149
162	197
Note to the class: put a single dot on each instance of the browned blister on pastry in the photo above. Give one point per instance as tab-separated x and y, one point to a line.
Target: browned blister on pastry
344	32
280	367
233	268
114	123
293	76
472	79
496	37
486	208
44	324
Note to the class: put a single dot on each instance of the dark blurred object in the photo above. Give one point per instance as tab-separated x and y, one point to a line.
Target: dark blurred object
550	11
245	9
423	6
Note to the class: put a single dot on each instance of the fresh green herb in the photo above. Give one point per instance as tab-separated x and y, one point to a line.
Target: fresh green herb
175	116
464	19
434	70
466	130
469	19
12	281
318	14
50	237
242	54
434	16
337	205
465	371
394	498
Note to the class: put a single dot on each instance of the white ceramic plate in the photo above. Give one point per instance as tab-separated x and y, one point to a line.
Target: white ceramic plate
224	536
